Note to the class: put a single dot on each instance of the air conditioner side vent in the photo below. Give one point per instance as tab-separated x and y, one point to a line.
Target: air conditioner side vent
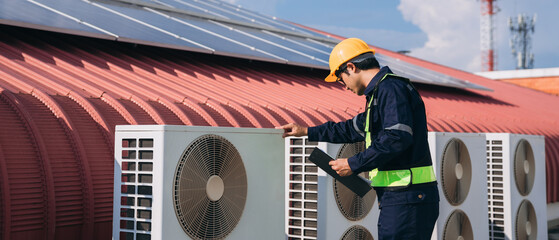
495	189
303	190
136	188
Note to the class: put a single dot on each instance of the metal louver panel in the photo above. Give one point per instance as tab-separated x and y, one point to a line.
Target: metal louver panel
303	190
136	179
495	191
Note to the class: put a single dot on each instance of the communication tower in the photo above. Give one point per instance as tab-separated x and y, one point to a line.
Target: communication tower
521	28
488	53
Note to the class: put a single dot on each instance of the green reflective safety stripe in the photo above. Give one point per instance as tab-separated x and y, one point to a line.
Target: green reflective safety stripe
391	178
399	178
423	175
367	132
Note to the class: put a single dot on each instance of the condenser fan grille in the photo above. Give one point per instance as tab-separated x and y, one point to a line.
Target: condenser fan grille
357	233
458	226
456	172
210	188
524	167
526	222
350	204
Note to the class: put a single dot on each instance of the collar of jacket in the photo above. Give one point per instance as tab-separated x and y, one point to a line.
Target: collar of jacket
369	90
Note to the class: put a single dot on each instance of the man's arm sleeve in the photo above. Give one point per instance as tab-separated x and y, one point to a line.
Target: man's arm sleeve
396	116
343	132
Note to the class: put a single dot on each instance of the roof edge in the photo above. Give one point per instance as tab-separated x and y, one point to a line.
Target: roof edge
55	29
521	73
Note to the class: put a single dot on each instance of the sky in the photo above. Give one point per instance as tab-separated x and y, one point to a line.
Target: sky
441	31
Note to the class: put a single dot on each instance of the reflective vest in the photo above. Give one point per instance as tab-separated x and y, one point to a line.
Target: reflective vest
395	178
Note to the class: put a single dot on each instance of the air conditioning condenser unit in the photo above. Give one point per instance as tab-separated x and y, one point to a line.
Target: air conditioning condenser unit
517	186
185	182
318	206
459	164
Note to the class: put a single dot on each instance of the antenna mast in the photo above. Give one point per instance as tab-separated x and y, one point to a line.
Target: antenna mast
521	43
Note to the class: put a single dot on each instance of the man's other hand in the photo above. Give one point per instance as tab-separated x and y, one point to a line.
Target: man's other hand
293	129
341	167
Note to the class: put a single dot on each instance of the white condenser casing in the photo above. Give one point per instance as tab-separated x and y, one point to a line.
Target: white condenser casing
186	182
317	207
461	171
517	186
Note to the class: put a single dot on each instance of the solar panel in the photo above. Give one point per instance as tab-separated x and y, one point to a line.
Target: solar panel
235	12
204	26
126	21
422	75
23	13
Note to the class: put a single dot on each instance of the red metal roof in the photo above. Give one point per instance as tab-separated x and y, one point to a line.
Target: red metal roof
61	97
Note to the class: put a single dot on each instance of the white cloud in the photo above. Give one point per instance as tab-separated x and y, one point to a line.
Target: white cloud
452	28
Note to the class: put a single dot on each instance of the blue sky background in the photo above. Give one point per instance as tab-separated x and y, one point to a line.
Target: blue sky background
441	31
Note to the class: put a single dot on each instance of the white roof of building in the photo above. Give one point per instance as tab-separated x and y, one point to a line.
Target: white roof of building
524	73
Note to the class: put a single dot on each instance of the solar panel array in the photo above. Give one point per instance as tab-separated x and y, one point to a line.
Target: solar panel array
208	26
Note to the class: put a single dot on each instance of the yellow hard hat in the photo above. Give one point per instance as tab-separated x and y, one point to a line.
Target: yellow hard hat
343	52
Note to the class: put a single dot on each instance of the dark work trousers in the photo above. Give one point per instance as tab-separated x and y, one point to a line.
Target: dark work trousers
409	214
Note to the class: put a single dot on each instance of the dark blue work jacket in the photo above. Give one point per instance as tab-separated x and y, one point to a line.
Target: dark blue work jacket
399	128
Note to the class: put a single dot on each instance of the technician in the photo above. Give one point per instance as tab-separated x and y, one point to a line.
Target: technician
394	128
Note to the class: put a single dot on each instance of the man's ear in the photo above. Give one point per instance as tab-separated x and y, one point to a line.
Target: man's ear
352	67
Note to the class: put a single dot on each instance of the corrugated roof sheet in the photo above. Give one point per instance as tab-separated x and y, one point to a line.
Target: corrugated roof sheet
61	97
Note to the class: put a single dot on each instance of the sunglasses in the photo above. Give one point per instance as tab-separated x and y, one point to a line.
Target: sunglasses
339	73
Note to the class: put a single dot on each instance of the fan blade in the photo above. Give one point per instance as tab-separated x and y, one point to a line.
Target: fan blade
467	232
521	219
526	222
466	180
458	226
533	223
350	204
457	172
200	217
520	175
526	184
461	223
452	228
448	178
457	148
357	232
458	192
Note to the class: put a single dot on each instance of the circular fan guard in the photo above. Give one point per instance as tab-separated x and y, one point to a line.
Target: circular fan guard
524	167
357	233
210	188
526	222
458	226
456	172
350	204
